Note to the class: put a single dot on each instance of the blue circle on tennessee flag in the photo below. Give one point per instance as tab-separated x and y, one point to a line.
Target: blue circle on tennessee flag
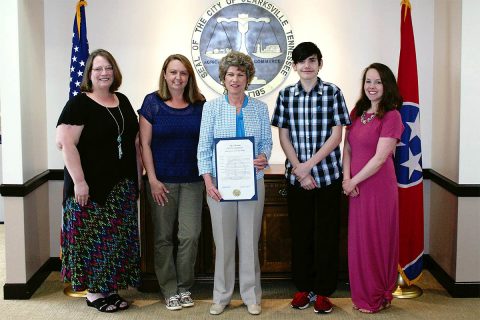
408	153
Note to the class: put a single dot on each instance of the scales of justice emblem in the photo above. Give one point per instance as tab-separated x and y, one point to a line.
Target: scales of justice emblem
260	31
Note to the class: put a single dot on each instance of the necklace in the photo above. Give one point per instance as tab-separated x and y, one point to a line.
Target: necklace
365	121
119	137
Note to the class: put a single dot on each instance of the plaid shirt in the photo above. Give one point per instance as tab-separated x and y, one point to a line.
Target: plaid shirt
309	117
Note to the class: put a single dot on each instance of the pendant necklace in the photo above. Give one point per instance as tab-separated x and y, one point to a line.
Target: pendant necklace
119	137
367	120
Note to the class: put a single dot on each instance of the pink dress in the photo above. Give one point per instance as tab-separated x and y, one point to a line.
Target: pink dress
373	236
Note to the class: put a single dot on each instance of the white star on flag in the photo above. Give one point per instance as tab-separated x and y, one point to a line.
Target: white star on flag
415	128
413	163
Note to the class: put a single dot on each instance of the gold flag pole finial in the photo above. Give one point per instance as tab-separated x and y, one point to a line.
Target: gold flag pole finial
79	17
407	5
406	290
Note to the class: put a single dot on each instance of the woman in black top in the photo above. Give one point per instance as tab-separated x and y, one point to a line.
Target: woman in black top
97	133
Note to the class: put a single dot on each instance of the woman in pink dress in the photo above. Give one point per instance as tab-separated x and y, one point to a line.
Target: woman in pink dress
370	183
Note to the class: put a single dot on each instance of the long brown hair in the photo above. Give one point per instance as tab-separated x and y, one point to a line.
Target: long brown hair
191	93
391	98
86	85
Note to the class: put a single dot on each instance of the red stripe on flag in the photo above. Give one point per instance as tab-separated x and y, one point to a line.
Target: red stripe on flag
407	67
411	223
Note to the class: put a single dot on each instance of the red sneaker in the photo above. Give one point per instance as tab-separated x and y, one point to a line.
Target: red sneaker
300	300
322	305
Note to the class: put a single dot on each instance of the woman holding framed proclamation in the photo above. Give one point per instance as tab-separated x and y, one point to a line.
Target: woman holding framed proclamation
234	114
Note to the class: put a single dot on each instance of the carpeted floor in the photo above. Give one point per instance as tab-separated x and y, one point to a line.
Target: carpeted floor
49	302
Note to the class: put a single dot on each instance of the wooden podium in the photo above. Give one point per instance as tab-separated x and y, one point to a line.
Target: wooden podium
274	244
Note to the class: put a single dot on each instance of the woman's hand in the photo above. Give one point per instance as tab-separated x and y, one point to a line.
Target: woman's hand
260	162
350	188
81	192
159	192
213	192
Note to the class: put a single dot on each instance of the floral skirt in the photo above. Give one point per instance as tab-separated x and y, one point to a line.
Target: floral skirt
100	246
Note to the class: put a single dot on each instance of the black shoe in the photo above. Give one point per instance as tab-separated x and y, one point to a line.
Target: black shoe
117	301
102	305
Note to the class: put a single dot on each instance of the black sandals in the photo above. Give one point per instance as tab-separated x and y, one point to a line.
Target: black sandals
102	305
117	301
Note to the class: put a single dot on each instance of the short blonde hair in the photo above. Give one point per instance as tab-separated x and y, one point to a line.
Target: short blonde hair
239	60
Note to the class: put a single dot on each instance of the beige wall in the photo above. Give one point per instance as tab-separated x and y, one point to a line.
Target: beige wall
454	222
446	80
443	228
32	90
468	240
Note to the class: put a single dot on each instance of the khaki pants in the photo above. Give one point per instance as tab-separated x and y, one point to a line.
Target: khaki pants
242	221
184	205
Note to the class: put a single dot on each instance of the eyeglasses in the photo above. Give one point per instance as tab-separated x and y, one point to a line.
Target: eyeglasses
100	69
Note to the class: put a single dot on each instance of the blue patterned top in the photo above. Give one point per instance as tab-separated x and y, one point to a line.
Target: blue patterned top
174	142
219	121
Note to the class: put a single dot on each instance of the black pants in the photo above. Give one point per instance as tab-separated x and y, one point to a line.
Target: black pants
314	222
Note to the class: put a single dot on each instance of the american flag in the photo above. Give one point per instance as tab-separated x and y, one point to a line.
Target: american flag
79	49
408	156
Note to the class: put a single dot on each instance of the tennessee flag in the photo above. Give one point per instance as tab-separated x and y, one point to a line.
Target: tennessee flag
408	157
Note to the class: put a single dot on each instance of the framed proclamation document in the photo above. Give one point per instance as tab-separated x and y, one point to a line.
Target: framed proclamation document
236	179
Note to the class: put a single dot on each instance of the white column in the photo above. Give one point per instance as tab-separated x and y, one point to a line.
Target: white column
23	115
468	253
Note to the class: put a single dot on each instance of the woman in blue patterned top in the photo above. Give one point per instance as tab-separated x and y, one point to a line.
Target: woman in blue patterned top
169	131
235	115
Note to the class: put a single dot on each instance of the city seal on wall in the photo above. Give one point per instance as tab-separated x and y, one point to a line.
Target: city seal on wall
255	27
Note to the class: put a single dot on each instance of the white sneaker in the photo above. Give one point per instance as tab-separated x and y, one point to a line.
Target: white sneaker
186	299
254	309
173	303
217	308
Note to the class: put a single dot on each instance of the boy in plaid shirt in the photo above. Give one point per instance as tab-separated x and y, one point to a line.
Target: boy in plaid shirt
310	116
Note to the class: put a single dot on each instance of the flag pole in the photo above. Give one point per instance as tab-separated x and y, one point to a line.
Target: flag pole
76	73
68	291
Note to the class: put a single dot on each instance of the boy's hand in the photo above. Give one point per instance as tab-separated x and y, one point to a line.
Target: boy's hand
308	183
301	171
